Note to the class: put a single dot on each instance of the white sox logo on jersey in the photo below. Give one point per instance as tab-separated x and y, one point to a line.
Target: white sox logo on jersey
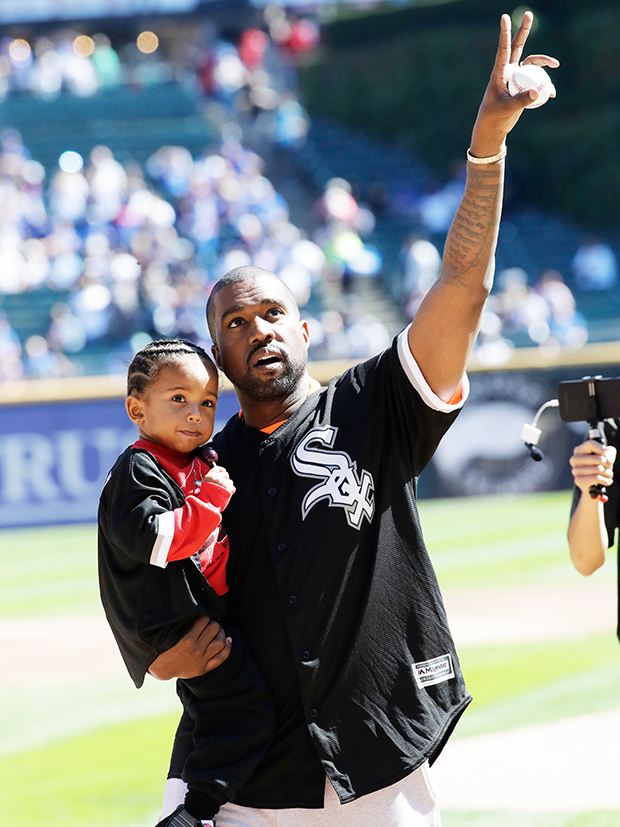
340	484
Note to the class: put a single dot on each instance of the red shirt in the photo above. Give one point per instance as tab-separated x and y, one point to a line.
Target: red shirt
198	523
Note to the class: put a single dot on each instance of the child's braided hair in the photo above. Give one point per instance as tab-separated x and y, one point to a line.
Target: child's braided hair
147	363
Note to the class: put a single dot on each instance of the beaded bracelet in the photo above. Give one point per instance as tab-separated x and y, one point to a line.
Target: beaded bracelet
492	159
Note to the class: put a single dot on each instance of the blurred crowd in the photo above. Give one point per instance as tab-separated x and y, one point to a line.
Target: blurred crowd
543	314
69	60
525	309
129	252
520	311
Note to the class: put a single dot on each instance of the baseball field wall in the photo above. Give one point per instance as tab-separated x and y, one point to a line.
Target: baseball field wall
59	438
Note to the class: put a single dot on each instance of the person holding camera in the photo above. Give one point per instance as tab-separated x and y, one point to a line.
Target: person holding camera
593	521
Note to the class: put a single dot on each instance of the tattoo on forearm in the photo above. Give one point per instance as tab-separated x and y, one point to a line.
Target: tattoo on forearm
473	234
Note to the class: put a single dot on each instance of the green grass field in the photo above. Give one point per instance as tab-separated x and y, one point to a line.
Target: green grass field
96	752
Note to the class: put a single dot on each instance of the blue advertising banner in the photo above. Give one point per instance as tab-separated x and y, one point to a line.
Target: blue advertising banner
54	458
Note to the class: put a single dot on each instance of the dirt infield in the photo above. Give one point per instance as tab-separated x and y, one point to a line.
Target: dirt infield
60	649
563	611
563	766
57	650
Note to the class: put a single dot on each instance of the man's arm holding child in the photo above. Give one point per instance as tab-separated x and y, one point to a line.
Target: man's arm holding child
203	648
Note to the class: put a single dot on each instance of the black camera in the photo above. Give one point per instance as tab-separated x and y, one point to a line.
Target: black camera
591	399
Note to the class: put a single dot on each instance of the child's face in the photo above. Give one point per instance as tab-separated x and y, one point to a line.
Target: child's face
178	409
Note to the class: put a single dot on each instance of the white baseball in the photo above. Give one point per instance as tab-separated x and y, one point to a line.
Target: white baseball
531	77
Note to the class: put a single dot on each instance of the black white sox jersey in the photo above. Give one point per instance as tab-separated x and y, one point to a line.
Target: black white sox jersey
149	607
332	586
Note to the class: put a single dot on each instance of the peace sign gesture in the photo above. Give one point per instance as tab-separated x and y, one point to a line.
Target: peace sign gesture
498	111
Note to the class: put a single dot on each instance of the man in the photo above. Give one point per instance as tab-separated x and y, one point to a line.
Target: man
330	582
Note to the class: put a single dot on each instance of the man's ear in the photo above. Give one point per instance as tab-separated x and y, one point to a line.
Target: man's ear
133	406
215	351
305	332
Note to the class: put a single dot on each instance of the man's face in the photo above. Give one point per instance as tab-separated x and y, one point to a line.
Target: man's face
261	343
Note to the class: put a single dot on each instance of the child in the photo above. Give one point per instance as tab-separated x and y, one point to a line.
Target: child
162	559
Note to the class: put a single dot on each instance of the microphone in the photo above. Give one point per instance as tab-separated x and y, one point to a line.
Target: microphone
535	452
530	434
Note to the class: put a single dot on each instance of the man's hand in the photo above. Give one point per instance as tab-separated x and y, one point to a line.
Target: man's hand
204	647
593	464
443	332
498	111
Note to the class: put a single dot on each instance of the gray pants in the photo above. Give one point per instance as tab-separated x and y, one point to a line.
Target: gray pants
408	803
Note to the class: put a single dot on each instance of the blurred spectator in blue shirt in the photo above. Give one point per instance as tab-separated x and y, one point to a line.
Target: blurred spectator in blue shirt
595	266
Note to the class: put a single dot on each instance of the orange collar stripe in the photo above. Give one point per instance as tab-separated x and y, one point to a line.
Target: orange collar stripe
313	386
457	396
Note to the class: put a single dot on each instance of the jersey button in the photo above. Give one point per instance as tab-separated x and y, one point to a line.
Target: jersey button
272	492
305	655
292	600
282	547
313	713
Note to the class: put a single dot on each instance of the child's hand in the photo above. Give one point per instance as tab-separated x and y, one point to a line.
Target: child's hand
219	476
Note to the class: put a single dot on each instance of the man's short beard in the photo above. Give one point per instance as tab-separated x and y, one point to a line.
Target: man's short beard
265	390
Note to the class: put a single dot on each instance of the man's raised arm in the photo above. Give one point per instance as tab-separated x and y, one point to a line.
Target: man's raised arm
445	327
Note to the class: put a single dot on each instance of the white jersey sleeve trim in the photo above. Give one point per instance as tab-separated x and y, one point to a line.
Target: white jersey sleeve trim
414	374
165	535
